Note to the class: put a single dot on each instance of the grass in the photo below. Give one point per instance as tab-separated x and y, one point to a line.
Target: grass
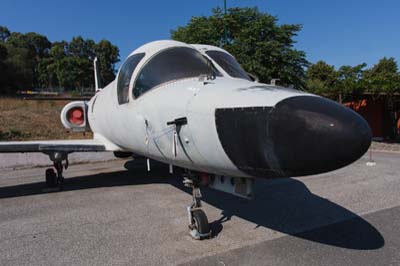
33	120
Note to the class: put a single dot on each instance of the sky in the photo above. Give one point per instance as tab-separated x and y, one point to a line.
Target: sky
340	32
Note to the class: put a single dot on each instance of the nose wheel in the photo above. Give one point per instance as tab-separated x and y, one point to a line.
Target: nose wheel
54	177
199	228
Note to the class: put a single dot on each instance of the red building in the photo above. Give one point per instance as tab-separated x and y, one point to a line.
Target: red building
382	115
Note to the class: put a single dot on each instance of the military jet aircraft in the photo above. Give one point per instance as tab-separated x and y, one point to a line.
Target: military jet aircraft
194	107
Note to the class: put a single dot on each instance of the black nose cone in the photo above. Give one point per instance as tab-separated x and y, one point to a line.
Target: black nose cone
301	135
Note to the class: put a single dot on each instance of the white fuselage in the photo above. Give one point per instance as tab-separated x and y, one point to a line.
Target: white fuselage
141	125
232	125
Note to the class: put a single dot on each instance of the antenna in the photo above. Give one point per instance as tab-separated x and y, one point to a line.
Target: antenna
97	80
274	81
225	30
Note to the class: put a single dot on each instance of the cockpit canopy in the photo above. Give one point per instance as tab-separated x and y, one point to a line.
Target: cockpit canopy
225	61
164	61
171	64
124	76
228	63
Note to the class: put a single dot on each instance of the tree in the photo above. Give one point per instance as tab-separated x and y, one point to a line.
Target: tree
58	50
47	67
76	47
254	38
321	78
25	52
17	40
39	44
39	47
383	77
4	33
82	48
47	73
343	83
350	79
19	64
31	61
108	55
71	72
3	69
3	53
204	30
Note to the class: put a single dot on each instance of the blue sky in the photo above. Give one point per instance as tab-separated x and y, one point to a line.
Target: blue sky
341	32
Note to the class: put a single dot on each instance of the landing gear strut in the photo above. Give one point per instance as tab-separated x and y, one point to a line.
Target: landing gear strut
55	179
199	228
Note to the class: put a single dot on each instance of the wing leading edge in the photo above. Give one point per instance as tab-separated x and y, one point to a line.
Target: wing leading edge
46	146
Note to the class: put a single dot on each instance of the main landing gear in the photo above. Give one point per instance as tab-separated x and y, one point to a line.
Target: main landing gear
54	177
199	228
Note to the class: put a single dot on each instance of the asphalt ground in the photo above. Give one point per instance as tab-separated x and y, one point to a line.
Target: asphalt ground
108	215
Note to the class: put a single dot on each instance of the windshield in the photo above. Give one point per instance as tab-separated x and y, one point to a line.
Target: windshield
229	64
125	75
172	64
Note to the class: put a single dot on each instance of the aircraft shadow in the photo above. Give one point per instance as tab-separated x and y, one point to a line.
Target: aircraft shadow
288	206
283	205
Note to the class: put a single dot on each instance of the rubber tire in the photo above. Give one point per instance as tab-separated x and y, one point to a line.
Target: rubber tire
201	221
51	178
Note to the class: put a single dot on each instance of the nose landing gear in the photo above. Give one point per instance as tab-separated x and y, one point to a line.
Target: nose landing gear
199	228
56	180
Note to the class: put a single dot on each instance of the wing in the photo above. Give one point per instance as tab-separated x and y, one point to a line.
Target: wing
48	146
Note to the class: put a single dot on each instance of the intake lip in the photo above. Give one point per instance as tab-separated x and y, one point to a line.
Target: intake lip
301	135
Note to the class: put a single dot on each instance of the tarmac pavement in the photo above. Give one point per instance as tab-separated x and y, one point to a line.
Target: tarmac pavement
108	215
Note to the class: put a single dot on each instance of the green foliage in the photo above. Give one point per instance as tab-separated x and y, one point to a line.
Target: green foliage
19	68
321	78
261	45
350	79
4	33
108	55
3	67
204	30
31	61
266	49
383	77
3	53
58	50
72	72
38	44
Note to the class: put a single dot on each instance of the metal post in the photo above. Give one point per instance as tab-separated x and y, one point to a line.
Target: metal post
225	27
